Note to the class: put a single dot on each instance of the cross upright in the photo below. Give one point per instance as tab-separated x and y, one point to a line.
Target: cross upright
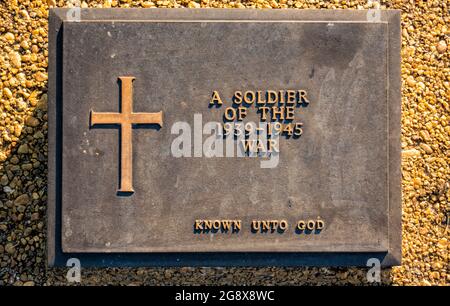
126	118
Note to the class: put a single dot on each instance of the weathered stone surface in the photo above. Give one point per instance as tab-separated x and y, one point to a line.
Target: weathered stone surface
343	169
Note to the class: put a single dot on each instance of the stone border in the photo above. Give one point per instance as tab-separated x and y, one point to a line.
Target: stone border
56	257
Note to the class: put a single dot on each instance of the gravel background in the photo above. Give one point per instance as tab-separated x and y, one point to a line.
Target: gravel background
425	144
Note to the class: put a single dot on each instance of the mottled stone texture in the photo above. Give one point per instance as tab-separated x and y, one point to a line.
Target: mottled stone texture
343	169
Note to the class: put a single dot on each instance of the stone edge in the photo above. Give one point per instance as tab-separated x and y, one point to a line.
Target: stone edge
55	256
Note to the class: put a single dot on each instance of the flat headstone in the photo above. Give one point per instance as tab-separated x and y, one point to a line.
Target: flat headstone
119	195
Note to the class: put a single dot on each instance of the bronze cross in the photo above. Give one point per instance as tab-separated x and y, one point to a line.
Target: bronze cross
126	118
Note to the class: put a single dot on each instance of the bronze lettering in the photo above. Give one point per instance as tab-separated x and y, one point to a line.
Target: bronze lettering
215	99
290	99
302	96
255	225
301	225
264	111
278	111
198	224
320	224
230	114
237	97
289	112
258	98
283	225
310	225
251	99
281	95
272	97
242	112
